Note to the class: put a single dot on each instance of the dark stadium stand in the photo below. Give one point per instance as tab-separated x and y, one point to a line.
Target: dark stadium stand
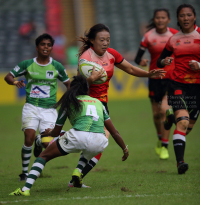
127	18
13	14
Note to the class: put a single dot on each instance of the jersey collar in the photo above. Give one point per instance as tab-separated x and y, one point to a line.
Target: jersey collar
50	61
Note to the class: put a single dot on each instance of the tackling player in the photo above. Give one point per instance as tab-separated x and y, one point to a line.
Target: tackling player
87	116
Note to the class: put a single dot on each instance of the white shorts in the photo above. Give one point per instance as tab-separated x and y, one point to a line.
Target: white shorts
38	118
89	143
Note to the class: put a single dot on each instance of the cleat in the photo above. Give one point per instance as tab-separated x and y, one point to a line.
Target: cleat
19	192
38	147
164	154
170	119
77	178
182	167
71	185
22	177
158	147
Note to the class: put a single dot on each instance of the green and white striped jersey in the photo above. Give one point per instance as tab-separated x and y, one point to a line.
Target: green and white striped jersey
41	87
90	119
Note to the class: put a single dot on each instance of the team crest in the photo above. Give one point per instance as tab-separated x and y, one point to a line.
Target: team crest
49	74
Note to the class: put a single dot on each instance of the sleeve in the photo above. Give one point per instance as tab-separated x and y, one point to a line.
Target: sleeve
105	113
173	31
62	74
118	57
165	53
19	70
139	55
144	41
62	116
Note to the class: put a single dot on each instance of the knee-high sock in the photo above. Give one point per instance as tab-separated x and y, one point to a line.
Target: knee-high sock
179	142
26	156
35	172
90	165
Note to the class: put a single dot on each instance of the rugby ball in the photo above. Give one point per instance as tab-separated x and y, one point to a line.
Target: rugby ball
85	69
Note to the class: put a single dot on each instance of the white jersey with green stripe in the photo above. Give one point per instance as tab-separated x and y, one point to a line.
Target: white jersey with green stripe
90	119
41	87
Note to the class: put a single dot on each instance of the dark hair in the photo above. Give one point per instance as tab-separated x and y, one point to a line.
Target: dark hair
151	23
42	37
68	101
90	35
185	6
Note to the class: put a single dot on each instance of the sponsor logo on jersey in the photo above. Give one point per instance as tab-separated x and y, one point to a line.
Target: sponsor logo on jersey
104	64
187	42
16	68
163	42
49	74
154	42
38	91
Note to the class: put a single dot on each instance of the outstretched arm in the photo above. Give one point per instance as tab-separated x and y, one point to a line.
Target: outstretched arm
133	70
55	132
116	136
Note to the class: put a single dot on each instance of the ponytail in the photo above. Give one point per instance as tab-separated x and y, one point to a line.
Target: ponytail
69	101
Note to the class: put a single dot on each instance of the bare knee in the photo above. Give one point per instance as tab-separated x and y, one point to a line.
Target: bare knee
29	137
182	125
156	116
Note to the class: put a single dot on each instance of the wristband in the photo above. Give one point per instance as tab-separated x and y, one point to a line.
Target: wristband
126	148
15	82
196	62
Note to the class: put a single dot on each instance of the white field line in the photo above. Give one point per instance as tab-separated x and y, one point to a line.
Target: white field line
89	197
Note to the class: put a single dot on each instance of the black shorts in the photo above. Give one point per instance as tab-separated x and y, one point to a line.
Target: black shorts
185	96
158	89
106	106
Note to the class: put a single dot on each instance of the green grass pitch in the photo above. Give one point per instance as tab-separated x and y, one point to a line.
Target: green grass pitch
142	179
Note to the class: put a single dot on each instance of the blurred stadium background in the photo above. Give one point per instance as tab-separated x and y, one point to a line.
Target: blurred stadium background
22	21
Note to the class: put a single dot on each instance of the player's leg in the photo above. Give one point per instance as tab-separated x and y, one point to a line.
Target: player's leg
52	151
26	152
97	144
164	154
179	139
194	114
156	109
87	167
29	126
47	120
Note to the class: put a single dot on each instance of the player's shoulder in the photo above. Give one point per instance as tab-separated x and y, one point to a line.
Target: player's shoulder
26	63
197	29
150	33
86	53
57	64
172	30
113	52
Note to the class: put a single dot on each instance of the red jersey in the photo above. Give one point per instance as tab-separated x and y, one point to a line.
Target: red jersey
185	47
155	43
107	61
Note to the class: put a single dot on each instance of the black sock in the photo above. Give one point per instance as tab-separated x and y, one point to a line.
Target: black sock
179	142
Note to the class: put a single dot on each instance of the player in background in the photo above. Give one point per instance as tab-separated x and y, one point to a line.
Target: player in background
184	90
41	75
155	40
95	48
87	116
